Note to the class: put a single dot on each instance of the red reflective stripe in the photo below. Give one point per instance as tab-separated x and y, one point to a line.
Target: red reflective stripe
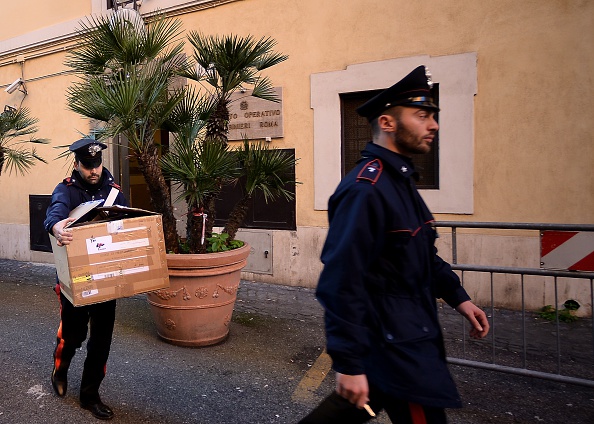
58	353
585	264
417	414
553	239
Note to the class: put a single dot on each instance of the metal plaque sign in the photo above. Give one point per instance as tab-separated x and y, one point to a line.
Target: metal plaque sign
254	118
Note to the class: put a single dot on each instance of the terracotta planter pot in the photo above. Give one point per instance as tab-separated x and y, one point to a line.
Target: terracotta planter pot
196	308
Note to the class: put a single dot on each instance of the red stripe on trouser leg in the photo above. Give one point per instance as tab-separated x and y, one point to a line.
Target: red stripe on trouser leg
417	414
58	351
60	340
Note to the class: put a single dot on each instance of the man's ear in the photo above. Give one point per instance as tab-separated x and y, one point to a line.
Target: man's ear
387	123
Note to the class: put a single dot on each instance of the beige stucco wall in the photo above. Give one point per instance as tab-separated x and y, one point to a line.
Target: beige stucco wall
532	148
534	59
25	16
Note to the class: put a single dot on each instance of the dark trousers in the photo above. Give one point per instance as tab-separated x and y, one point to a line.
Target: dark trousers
74	325
336	409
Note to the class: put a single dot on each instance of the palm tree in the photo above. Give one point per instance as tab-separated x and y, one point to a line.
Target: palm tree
14	156
227	64
202	164
126	70
200	168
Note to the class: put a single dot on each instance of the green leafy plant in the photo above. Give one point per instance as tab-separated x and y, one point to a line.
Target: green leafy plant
221	243
566	314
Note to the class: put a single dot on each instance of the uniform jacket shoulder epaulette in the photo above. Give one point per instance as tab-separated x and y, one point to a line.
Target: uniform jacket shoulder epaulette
371	171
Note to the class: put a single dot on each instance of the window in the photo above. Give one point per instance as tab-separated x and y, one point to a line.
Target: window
356	132
277	215
121	3
457	79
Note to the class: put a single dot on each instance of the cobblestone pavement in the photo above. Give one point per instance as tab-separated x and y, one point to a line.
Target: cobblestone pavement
276	339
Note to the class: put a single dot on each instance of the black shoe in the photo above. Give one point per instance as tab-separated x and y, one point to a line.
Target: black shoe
59	383
98	409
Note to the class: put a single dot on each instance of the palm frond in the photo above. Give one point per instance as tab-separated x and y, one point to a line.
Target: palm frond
200	169
188	118
115	41
230	63
263	89
14	152
20	160
267	170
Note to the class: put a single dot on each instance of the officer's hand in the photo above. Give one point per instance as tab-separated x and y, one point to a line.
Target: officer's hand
476	317
354	388
63	235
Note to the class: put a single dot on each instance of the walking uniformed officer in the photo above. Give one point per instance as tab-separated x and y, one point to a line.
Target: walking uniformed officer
382	275
89	181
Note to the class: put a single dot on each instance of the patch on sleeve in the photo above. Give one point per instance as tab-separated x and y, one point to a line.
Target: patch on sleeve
371	171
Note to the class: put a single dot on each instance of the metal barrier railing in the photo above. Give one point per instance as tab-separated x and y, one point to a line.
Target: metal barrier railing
497	341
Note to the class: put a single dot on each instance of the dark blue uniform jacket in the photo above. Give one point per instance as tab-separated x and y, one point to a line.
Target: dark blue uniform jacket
380	282
71	192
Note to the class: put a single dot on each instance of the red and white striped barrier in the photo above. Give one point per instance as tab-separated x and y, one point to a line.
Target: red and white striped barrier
567	250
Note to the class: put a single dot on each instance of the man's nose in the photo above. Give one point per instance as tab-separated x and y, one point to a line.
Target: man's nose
433	125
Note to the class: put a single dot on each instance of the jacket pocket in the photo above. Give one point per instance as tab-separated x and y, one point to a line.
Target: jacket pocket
403	319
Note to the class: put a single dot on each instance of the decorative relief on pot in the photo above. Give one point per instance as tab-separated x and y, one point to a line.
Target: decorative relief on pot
227	320
201	292
230	290
170	324
168	294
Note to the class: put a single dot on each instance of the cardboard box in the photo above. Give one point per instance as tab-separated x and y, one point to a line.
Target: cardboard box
119	254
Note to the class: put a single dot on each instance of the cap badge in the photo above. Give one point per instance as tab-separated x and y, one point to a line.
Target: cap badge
429	80
93	149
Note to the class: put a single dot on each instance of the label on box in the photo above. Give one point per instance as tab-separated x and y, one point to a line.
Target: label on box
113	226
106	244
88	293
128	271
81	278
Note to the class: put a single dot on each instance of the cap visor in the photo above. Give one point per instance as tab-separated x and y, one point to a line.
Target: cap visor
91	164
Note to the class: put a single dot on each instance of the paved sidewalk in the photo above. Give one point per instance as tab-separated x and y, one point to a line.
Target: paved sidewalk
253	377
273	299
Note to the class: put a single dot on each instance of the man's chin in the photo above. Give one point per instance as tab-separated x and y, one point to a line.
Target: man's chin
422	150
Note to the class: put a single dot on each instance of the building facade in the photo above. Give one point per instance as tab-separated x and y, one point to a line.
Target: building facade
515	91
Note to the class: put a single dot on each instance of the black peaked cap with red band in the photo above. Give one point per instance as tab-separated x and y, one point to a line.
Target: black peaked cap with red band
88	152
414	90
